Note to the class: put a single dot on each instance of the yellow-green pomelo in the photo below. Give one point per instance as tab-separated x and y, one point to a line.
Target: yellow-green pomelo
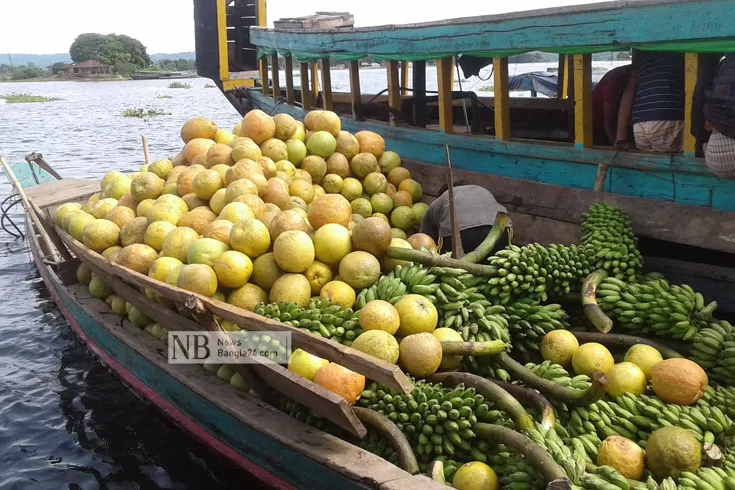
626	377
266	271
138	257
250	237
417	315
296	150
359	269
206	183
331	243
247	297
293	251
103	207
559	346
304	364
100	234
291	288
420	354
236	212
205	251
448	335
233	269
338	293
592	357
162	267
162	168
198	278
177	242
65	210
378	343
379	315
146	186
645	357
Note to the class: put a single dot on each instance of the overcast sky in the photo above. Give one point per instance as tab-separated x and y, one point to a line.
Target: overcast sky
167	26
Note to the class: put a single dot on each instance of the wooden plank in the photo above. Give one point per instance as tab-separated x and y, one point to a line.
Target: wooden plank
404	79
264	75
275	79
600	177
355	90
583	100
561	80
501	98
327	85
290	99
61	191
691	71
420	112
415	482
394	91
306	100
619	23
444	77
371	367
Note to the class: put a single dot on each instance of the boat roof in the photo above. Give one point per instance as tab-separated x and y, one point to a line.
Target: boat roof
694	26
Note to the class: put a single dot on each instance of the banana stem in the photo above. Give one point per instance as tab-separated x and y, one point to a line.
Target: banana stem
536	455
430	260
496	394
487	245
591	309
554	390
435	471
620	341
406	457
490	348
531	398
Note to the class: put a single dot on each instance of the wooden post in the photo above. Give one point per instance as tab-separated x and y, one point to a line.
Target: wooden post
583	100
264	75
306	101
222	49
146	153
404	78
501	98
419	93
275	76
355	90
691	71
444	82
315	80
327	85
561	78
600	177
289	80
394	91
457	250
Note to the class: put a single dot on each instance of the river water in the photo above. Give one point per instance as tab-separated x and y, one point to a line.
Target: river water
65	421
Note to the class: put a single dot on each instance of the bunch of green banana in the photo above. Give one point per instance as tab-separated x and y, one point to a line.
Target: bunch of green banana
437	421
514	472
528	322
558	374
303	414
377	443
490	327
707	478
536	272
708	345
572	460
604	477
609	241
722	397
654	307
320	318
388	288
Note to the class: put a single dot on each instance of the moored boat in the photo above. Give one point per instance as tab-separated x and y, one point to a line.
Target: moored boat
161	75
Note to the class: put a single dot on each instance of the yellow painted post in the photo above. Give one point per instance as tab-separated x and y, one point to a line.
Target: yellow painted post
289	80
306	101
501	98
404	78
394	92
583	100
275	78
327	85
224	58
264	75
691	70
444	82
315	80
262	21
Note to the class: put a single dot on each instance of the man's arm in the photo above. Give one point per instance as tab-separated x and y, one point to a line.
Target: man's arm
625	112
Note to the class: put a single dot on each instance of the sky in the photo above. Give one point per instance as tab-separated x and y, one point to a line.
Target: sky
167	26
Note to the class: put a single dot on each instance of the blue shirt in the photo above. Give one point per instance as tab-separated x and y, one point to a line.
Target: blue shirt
659	94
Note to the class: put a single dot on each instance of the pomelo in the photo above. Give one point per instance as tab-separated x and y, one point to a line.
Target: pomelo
339	293
315	166
304	364
65	210
138	257
382	203
285	177
251	237
347	145
331	243
330	208
177	242
420	354
277	193
100	234
169	188
217	202
417	315
247	297
236	130
559	346
359	269
110	176
378	343
296	151
362	207
219	154
291	288
266	271
206	183
223	136
402	217
286	166
371	235
413	188
185	180
398	233
98	289
626	377
419	210
318	274
274	149
310	119
645	357
111	253
239	187
286	221
475	476
219	230
134	232
138	318
339	165
258	126
198	278
197	148
390	264
235	212
255	203
174	173
332	183
117	188
103	206
398	175
679	381
321	143
162	211
375	182
670	451
173	201
363	164
221	170
198	127
84	273
402	198
127	201
421	240
246	150
592	357
318	191
624	455
351	189
162	267
300	131
388	161
326	121
120	215
233	269
448	335
371	143
88	207
379	315
302	189
285	126
205	251
192	201
293	251
198	219
117	305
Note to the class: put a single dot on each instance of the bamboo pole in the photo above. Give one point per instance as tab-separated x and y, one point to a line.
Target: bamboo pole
145	150
457	249
50	248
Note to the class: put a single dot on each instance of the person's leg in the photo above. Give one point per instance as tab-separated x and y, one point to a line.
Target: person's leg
720	155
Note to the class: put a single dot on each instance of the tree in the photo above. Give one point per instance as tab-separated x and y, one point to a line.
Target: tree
113	50
134	48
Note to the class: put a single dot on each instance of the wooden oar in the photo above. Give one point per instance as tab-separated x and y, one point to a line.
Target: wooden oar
50	248
456	238
145	151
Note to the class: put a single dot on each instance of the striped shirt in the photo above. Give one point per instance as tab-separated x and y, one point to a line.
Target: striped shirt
660	92
720	106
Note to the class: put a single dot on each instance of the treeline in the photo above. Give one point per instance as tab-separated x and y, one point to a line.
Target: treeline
174	65
23	72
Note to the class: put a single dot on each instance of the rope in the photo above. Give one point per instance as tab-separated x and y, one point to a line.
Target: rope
4	210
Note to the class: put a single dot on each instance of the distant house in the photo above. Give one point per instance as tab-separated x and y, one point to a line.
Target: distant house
85	68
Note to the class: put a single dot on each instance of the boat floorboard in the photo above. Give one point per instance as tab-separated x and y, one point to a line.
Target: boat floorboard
61	191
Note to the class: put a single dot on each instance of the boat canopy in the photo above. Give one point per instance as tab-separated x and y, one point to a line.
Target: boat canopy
689	26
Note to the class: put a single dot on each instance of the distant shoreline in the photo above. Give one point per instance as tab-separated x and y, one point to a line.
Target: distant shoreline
76	79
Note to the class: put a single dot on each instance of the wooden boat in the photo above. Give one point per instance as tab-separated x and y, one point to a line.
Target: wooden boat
547	140
161	75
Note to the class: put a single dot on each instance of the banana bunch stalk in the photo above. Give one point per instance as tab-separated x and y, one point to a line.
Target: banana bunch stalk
610	243
320	318
654	307
529	322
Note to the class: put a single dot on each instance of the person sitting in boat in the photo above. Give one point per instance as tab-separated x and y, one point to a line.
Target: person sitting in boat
653	102
719	110
606	102
475	208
